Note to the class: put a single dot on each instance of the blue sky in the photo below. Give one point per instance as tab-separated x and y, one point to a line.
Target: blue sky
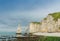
13	12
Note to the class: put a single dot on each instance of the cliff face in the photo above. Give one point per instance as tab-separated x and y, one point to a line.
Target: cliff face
34	27
49	24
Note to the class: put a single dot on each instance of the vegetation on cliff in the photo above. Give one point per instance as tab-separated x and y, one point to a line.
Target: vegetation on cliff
36	22
55	15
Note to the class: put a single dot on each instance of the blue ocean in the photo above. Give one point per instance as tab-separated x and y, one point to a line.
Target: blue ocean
7	33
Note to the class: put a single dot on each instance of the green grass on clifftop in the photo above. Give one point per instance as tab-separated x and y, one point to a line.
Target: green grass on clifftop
55	15
36	22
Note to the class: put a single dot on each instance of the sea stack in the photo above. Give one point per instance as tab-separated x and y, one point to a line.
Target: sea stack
18	33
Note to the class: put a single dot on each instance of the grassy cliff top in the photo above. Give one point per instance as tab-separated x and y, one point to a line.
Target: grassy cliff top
55	15
36	22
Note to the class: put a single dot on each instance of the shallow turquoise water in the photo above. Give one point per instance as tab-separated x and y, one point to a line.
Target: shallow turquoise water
7	33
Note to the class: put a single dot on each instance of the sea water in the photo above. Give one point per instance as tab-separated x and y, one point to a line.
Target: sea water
7	33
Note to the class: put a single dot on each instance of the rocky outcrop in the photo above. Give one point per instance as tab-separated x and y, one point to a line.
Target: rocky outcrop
49	24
